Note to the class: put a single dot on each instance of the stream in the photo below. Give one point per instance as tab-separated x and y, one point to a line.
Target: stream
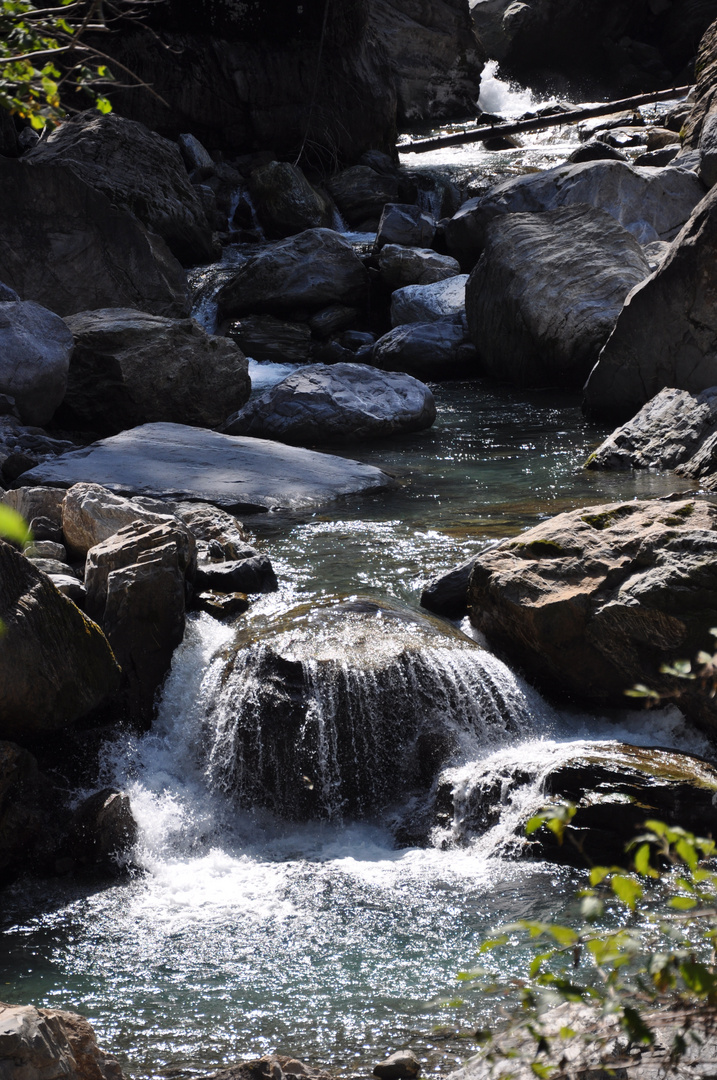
240	932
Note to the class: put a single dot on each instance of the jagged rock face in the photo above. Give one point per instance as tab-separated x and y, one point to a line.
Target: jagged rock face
247	81
594	601
666	334
701	125
46	1044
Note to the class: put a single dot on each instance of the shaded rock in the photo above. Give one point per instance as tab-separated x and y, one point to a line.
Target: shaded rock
652	204
668	431
434	55
402	266
658	158
135	584
221	605
194	155
399	1066
252	574
43	528
361	193
103	828
91	514
594	601
45	549
35	351
429	303
173	461
434	350
130	368
701	124
138	171
285	201
303	273
262	337
21	818
404	224
448	594
596	150
337	403
46	1044
65	246
666	334
655	253
547	292
55	664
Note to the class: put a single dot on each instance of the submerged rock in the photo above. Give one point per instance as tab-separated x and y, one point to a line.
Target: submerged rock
596	600
336	403
547	292
175	462
347	708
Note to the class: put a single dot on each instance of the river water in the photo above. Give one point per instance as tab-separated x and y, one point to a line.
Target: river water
240	933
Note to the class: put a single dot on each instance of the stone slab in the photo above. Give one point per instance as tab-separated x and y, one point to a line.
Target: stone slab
238	473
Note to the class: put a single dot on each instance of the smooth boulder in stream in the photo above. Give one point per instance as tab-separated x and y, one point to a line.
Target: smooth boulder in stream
237	473
327	403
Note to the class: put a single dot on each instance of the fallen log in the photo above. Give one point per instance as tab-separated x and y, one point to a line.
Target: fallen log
574	116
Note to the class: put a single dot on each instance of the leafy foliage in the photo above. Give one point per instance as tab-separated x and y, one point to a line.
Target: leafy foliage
647	941
50	54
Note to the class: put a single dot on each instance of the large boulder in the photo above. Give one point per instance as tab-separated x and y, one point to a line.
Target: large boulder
91	514
303	273
652	204
65	246
428	350
666	334
434	54
361	193
429	303
666	433
35	351
285	201
405	224
46	1044
138	171
327	403
131	368
55	664
236	473
594	601
547	291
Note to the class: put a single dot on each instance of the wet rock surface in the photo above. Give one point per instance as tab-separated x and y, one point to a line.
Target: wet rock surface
336	403
236	473
594	601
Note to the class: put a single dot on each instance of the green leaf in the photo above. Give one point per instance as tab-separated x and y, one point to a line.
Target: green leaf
697	978
626	889
591	908
493	943
682	903
642	862
598	874
562	934
13	526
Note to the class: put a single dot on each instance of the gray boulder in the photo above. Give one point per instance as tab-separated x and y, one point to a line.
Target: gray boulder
35	351
361	193
337	403
303	273
666	433
405	224
401	266
130	368
666	334
67	247
429	303
55	664
138	171
700	126
285	201
652	204
547	291
46	1044
172	461
432	350
91	514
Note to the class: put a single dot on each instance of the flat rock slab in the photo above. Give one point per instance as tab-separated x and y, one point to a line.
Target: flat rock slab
238	473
